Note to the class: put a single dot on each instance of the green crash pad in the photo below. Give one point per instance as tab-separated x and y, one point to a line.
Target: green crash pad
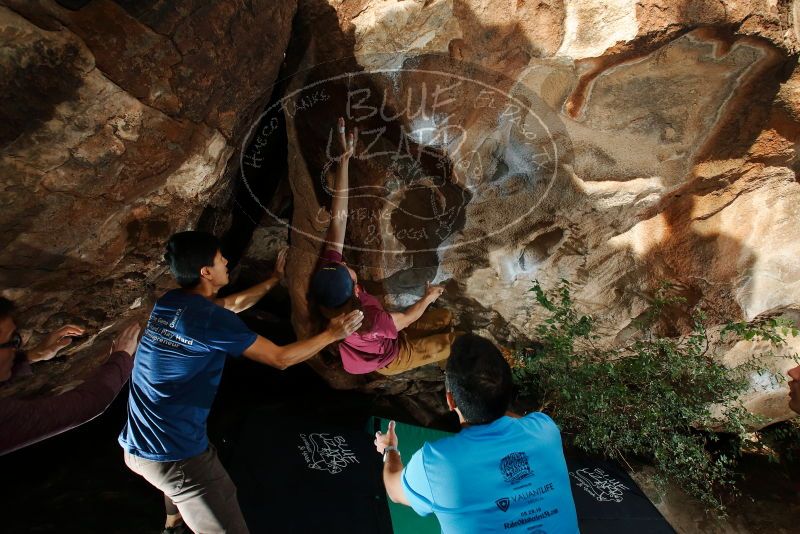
411	439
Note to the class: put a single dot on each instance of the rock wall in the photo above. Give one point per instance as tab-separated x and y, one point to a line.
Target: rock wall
117	123
615	144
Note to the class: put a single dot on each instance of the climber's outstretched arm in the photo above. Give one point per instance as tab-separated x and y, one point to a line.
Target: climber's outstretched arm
405	318
341	190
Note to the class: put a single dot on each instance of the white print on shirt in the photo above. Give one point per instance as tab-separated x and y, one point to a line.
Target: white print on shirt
599	484
160	331
326	453
178	314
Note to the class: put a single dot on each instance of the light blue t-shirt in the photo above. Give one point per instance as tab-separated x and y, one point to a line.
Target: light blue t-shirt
506	476
176	373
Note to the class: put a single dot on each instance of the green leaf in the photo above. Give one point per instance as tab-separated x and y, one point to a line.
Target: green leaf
648	397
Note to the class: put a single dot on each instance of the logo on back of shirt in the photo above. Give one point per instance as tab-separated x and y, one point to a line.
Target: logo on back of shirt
515	467
503	503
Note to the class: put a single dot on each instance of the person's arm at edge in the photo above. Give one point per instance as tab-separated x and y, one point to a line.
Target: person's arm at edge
334	240
393	467
241	301
414	312
281	357
392	478
38	419
34	420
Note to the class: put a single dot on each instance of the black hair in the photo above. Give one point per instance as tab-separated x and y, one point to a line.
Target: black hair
187	253
479	378
6	308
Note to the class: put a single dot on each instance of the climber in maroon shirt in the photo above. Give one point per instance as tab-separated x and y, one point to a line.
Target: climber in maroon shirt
794	388
24	422
389	343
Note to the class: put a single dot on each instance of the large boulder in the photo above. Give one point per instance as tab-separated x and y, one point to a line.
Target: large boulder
614	144
117	124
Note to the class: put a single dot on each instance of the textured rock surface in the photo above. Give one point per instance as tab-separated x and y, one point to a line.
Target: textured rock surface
615	144
651	141
116	126
766	487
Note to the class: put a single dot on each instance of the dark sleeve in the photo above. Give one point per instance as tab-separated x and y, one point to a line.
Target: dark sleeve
22	367
25	422
226	332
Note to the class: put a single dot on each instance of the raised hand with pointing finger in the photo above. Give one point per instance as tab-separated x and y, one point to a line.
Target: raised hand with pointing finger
389	439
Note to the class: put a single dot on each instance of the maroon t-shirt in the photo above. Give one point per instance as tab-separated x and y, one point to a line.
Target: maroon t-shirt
364	352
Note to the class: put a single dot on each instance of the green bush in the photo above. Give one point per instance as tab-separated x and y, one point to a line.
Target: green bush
781	442
651	398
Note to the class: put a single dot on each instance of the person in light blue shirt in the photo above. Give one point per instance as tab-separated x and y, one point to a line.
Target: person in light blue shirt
176	374
501	473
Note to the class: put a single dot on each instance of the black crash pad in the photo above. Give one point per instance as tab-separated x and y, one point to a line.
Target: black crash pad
607	499
301	473
306	474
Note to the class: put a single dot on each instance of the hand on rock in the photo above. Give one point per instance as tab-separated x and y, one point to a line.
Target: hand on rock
280	264
54	342
127	340
432	293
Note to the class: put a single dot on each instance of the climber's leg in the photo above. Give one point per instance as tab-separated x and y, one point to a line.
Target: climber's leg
418	351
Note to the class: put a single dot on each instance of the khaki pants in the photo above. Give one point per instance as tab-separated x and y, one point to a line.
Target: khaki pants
420	344
200	488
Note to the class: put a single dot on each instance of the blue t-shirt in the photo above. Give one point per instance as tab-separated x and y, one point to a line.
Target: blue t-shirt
176	373
507	476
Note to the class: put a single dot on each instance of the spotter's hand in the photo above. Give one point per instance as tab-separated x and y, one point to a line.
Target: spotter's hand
343	325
